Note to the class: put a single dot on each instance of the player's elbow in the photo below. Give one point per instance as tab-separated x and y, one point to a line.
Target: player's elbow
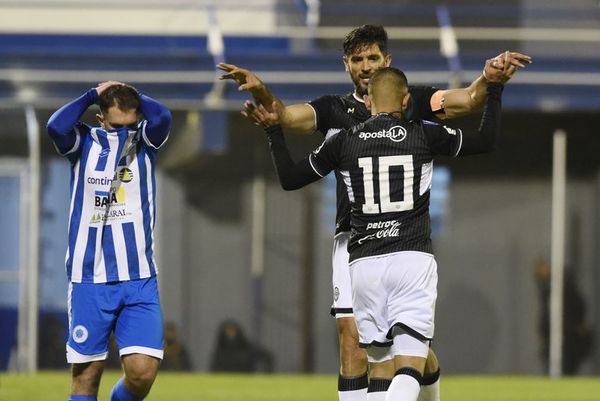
288	185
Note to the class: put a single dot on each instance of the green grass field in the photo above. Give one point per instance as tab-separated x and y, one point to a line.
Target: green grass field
54	386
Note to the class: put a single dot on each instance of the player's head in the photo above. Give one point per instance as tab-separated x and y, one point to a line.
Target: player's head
388	91
365	51
119	107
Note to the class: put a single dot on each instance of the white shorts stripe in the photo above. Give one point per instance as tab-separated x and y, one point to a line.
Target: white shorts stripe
157	353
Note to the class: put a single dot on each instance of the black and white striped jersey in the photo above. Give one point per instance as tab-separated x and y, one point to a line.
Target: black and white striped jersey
336	112
386	165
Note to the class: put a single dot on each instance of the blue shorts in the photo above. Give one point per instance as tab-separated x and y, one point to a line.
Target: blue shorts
129	308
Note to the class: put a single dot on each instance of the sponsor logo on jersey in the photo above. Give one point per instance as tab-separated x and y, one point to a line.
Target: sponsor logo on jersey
386	229
451	131
350	110
336	293
80	334
99	180
396	134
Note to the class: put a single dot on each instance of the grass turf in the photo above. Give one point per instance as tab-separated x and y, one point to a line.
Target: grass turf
54	386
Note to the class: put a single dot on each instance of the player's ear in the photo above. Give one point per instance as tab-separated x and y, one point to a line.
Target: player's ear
100	119
388	60
405	102
346	68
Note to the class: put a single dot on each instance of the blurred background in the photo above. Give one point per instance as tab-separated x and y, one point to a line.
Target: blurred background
238	256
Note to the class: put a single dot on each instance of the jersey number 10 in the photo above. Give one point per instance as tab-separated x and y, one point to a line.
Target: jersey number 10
385	204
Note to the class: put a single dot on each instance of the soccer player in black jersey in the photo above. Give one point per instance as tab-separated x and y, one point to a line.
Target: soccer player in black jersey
386	165
365	51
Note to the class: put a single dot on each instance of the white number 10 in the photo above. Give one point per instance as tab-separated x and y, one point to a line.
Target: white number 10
386	204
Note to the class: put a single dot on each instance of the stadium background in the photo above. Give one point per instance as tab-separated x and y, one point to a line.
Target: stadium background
230	243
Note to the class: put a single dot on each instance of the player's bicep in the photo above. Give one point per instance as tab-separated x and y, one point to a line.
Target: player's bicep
299	119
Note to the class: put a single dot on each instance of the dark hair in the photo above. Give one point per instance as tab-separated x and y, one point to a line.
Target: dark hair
366	35
394	74
125	97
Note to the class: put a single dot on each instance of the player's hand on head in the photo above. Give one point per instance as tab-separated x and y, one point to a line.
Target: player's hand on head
502	67
102	86
246	79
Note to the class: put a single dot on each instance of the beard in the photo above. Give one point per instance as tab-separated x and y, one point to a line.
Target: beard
358	86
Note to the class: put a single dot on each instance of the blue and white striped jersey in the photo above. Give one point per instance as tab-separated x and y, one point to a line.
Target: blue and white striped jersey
112	209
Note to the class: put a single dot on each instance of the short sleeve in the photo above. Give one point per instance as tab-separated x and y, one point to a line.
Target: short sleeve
323	111
326	157
419	105
442	140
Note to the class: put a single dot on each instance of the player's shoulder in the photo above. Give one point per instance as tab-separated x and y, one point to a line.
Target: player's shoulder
413	89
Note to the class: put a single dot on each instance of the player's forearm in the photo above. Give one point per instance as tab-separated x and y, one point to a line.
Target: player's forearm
484	140
291	175
158	117
61	123
463	101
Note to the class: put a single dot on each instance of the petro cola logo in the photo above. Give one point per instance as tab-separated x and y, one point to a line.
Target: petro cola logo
397	134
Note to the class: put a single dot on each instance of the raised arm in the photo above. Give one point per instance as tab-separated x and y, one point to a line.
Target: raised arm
159	120
484	139
291	175
295	118
458	102
61	125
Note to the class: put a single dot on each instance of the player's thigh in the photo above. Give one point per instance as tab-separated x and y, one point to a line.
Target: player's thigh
139	327
346	327
92	310
342	289
411	282
369	299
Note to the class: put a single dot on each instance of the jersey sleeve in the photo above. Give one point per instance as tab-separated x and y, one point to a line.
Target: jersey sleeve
157	126
291	175
323	112
419	105
64	127
442	140
325	158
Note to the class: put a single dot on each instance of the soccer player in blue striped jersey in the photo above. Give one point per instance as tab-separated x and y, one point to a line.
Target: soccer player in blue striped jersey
110	258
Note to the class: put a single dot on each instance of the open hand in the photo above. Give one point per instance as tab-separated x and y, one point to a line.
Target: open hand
246	79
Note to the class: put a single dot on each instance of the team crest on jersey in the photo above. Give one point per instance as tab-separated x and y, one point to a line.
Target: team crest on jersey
125	175
396	134
80	334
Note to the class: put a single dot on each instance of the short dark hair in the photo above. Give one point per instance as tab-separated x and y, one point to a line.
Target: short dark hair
397	76
366	35
125	97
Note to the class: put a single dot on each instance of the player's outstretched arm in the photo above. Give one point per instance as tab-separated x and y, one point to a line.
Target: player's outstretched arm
459	102
296	118
291	175
484	139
